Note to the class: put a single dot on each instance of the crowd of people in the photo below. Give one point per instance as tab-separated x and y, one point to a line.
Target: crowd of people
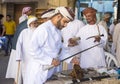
36	50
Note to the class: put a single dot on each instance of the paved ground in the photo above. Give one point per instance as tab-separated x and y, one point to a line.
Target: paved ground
3	64
3	67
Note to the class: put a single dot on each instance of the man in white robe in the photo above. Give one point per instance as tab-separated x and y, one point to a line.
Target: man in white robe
106	24
111	31
106	19
68	32
116	41
26	11
12	64
93	57
22	46
45	47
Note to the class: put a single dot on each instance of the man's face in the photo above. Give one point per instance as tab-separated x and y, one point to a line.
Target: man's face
29	12
34	24
8	18
91	18
62	22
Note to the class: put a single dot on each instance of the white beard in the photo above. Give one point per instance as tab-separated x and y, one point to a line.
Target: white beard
32	28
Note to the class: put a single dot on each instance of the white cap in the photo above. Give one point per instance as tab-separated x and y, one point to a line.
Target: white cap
48	13
31	19
115	0
66	12
106	15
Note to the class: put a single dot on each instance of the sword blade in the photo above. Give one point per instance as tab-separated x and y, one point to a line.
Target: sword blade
80	52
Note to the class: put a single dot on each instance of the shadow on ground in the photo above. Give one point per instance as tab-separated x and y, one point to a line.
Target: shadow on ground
3	67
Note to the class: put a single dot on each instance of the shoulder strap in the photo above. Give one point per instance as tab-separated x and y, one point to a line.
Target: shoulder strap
98	29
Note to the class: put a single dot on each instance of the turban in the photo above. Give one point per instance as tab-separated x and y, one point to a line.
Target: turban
89	10
23	18
26	9
31	19
115	0
66	12
48	13
106	16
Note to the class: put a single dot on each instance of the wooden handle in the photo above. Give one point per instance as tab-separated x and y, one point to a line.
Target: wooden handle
16	81
48	67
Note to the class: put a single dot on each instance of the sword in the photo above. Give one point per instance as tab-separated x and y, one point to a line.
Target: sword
94	36
47	67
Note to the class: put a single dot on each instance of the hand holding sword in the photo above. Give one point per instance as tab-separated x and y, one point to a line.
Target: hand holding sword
97	37
51	66
55	62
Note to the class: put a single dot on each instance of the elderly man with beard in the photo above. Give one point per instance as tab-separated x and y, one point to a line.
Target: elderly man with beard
22	46
12	64
90	35
45	46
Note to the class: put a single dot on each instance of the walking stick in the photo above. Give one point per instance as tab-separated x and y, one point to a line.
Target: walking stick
47	67
18	70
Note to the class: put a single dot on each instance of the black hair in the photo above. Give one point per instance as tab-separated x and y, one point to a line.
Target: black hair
9	16
1	16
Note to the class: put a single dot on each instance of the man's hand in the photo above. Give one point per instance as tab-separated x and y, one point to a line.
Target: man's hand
97	38
55	62
75	60
73	41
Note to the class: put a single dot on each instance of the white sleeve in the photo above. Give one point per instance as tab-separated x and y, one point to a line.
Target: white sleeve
65	54
19	46
116	35
37	45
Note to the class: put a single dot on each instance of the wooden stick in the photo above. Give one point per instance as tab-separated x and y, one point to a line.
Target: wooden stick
18	71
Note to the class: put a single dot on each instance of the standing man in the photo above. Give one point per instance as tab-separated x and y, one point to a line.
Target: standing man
106	21
90	35
116	42
22	45
10	28
26	11
68	32
12	64
45	46
106	24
